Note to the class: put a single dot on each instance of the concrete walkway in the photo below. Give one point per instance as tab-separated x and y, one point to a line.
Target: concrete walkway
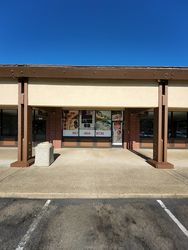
178	157
93	173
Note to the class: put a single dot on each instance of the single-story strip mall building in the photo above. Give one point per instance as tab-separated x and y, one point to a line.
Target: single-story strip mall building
94	106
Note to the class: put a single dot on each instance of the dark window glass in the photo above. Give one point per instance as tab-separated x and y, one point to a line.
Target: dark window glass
39	125
9	122
180	124
146	125
177	125
170	124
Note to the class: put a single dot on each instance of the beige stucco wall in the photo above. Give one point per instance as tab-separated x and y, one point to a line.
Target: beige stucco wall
90	93
178	94
8	92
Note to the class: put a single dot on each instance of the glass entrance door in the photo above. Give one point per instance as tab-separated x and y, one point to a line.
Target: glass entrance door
117	133
39	125
117	128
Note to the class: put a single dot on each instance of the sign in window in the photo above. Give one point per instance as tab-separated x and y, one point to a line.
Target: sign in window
70	123
87	123
103	123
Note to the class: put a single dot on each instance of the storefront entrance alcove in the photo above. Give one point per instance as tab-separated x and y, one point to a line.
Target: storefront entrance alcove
92	128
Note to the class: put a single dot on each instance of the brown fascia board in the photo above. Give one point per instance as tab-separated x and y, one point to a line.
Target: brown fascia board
94	72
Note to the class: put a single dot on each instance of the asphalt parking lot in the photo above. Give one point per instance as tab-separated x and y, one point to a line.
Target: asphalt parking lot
93	224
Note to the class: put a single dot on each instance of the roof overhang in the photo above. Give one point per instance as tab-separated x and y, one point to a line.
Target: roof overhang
94	72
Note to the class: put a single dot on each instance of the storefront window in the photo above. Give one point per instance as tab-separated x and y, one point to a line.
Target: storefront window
146	125
179	124
103	123
87	123
39	125
70	123
92	123
9	122
170	124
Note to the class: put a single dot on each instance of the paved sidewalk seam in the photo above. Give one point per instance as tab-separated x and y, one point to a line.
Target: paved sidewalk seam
9	175
178	176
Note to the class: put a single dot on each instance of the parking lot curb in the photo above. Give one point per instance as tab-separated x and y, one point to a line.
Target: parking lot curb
90	195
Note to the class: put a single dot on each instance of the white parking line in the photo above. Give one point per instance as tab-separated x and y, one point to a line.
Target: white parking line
32	227
178	223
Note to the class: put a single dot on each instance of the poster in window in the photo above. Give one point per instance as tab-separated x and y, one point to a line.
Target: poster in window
87	123
117	115
103	123
117	133
70	123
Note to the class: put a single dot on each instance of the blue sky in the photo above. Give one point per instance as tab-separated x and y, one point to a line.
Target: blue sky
100	32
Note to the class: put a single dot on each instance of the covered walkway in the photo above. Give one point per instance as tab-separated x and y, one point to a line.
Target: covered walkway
178	157
84	157
93	173
100	158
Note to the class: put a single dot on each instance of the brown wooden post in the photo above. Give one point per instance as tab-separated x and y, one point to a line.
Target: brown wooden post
54	126
127	129
20	120
134	131
161	129
24	127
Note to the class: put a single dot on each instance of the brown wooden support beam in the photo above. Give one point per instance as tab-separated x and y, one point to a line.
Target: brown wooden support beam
25	158
54	133
161	129
95	72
